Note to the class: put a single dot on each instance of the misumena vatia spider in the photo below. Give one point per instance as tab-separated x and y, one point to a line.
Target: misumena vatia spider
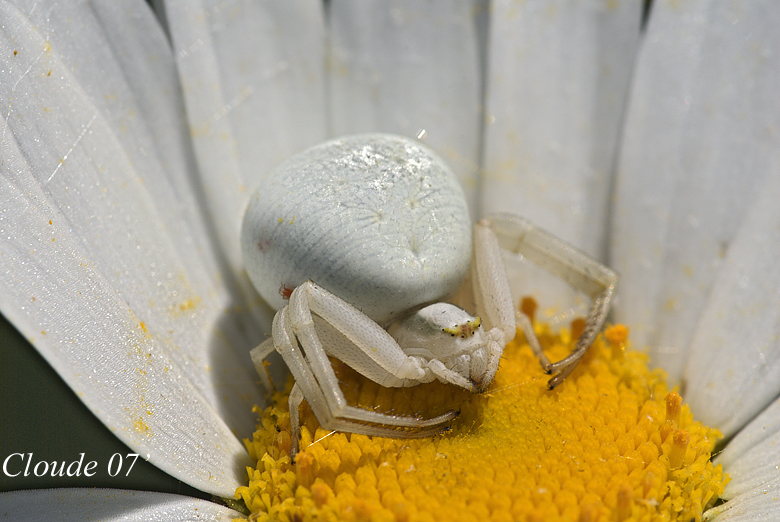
367	236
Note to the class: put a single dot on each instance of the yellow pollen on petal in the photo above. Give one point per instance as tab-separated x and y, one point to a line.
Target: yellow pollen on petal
610	443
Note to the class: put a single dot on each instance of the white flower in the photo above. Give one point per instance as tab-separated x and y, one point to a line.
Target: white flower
128	279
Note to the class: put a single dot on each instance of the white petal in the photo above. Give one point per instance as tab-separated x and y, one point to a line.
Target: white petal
558	73
700	136
102	271
407	66
758	505
253	79
54	295
146	62
108	505
752	456
161	163
733	370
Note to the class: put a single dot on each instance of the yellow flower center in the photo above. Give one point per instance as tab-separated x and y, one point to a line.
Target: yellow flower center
610	443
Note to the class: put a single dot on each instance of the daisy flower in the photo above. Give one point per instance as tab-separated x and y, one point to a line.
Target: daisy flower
132	138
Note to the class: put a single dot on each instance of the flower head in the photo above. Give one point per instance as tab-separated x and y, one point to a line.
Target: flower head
609	442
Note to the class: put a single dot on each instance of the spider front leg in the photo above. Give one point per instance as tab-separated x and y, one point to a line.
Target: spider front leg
370	350
490	291
582	272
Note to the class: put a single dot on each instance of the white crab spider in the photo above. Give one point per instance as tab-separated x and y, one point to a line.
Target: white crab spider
368	236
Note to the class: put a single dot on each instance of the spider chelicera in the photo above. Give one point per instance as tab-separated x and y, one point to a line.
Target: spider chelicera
365	246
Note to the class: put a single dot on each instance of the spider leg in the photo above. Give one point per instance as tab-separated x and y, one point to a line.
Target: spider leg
491	284
306	386
447	375
294	401
258	355
525	324
569	264
492	296
593	325
313	373
305	382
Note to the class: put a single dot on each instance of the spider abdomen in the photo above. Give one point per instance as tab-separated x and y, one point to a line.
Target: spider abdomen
378	220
